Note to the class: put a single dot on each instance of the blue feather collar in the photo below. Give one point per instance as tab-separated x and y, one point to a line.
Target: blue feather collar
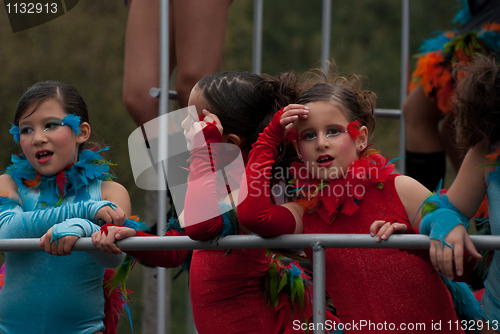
74	180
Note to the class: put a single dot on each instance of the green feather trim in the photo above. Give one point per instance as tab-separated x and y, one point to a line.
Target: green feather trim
119	279
429	207
289	279
489	165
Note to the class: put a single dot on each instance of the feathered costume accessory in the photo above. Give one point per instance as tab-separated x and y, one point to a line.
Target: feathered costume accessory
289	280
438	55
340	196
114	305
439	217
14	130
74	180
288	287
352	129
71	120
2	276
119	279
466	305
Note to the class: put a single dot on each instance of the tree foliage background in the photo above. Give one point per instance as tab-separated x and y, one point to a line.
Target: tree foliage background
85	48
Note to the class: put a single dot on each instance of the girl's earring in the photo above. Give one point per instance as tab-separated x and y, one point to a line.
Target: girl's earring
361	147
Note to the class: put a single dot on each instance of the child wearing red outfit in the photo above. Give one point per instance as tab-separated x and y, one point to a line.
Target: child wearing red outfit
344	187
227	288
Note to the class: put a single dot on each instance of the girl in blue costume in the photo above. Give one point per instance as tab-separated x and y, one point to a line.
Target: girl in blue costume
55	191
478	126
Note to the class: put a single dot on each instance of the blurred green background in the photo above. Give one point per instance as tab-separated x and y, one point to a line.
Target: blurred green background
85	48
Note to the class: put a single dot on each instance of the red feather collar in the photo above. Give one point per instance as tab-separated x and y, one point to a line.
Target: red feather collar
345	194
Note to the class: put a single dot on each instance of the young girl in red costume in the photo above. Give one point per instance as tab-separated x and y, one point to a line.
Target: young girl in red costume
345	186
228	289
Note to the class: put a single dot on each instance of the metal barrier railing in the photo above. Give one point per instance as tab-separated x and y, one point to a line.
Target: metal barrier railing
318	243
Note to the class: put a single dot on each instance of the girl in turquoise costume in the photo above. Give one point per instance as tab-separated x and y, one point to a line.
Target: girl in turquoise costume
56	191
476	110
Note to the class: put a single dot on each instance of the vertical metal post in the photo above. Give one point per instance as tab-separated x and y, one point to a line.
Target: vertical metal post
258	12
405	56
319	307
162	147
326	26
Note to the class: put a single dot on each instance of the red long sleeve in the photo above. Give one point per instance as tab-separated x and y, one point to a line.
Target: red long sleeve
202	197
161	258
255	212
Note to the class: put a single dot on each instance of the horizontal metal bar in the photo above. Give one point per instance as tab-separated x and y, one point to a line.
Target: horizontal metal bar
485	242
389	113
156	92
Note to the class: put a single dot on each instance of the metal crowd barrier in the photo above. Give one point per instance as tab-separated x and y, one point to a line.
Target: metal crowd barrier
318	242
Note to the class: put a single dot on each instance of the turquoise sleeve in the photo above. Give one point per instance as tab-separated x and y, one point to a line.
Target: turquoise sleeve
74	226
14	223
439	222
84	228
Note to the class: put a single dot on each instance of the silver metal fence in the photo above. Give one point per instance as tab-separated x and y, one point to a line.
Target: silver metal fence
163	147
318	242
403	83
326	26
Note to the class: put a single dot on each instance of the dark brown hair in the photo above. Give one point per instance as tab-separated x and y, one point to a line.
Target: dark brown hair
476	106
66	95
246	102
70	100
356	103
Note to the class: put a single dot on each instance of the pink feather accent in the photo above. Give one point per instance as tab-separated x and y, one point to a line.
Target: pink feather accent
371	168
